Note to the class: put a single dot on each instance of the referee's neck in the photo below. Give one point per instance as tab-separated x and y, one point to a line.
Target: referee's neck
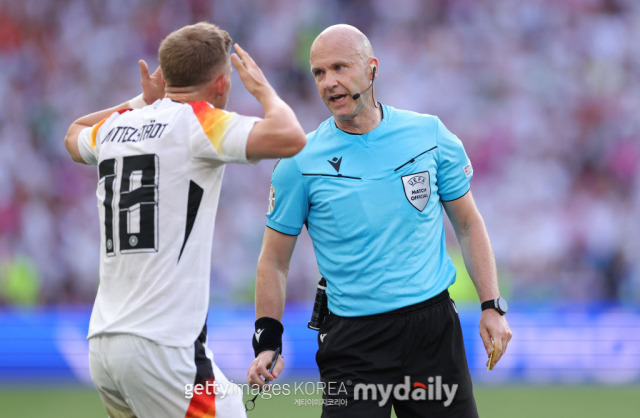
362	123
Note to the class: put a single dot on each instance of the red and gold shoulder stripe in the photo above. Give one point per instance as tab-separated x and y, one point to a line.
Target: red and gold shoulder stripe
214	122
94	130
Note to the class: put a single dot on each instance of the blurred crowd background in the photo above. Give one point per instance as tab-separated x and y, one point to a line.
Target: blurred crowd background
544	94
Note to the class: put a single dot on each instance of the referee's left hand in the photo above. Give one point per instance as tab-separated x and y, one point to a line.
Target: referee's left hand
494	329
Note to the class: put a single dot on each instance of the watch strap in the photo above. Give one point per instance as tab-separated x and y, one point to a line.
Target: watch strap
499	304
489	304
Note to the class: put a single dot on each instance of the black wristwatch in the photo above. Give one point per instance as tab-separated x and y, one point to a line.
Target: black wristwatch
499	304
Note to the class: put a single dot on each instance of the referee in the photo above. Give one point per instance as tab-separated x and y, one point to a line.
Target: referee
370	186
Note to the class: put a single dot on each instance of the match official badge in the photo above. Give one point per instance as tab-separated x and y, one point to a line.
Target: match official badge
417	189
468	170
272	199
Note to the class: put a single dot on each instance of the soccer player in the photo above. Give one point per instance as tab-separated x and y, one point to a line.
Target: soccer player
370	186
159	173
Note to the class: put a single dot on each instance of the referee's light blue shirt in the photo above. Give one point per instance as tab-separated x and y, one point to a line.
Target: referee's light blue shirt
372	205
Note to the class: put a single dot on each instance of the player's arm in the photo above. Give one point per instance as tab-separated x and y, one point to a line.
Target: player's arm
480	263
152	89
87	121
279	133
271	281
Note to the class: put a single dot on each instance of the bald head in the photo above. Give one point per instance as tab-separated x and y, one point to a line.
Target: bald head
349	38
343	66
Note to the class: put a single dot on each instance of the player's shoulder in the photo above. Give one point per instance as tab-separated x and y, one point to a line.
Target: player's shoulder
107	124
159	107
201	111
117	115
132	117
206	114
203	108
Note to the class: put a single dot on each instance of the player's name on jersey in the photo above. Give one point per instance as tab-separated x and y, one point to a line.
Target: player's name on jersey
152	130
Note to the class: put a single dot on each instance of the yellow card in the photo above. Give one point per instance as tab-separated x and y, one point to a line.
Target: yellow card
491	356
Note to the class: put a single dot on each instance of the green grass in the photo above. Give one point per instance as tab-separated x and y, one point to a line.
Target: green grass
493	402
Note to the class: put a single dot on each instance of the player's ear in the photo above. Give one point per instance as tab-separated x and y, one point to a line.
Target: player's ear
221	84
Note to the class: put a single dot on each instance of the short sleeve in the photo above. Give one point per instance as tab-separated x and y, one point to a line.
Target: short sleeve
235	143
226	134
86	148
88	139
288	199
454	167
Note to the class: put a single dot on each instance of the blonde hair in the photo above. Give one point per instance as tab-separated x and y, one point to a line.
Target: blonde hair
192	54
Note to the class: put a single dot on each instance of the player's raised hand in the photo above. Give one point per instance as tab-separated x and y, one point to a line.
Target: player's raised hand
495	334
250	74
259	369
152	85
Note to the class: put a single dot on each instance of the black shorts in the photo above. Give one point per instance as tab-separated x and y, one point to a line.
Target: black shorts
412	359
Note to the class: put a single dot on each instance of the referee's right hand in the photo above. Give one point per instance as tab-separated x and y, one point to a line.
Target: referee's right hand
259	369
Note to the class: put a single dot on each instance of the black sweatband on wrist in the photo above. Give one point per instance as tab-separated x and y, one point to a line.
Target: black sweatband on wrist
268	335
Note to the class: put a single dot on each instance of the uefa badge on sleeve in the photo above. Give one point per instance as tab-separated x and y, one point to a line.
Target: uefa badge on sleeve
468	170
272	199
417	189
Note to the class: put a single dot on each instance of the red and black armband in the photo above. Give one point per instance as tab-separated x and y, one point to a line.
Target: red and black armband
268	335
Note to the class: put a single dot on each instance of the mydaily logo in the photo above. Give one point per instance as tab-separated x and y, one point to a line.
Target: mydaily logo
432	391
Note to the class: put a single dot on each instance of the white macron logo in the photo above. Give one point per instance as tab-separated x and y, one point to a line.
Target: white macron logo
258	334
322	337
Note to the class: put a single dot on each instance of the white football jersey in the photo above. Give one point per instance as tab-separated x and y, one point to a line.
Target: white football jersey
159	174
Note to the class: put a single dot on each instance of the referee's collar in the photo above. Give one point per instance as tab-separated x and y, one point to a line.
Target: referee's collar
382	119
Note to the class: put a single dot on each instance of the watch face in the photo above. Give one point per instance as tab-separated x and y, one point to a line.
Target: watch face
502	305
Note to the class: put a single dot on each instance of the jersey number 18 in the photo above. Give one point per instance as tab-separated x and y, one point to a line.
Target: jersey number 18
137	218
